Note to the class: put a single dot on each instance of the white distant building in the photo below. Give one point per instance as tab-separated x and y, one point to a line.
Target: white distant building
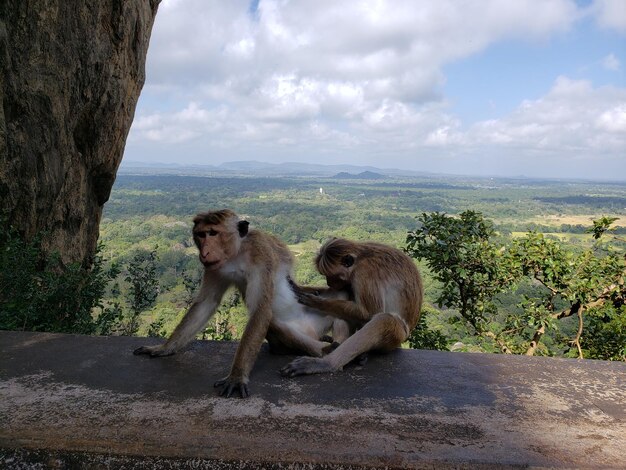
321	190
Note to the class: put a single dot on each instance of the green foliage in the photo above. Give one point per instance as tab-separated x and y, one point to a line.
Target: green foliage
605	336
461	256
190	283
500	314
144	287
155	329
422	337
602	225
588	284
219	329
38	293
109	321
145	211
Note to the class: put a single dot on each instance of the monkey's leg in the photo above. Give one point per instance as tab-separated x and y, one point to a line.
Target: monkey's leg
253	335
383	332
294	340
341	331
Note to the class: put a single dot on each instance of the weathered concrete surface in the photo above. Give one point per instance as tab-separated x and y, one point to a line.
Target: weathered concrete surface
409	409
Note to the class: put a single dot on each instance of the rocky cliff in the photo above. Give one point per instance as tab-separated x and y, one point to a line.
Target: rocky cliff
71	74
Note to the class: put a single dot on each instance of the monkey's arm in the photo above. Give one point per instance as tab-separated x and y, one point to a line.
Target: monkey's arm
203	307
339	308
258	297
296	288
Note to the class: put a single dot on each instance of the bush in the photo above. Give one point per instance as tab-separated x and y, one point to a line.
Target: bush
39	293
424	338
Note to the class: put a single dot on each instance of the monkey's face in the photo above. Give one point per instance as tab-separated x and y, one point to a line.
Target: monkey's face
337	282
336	266
216	244
340	275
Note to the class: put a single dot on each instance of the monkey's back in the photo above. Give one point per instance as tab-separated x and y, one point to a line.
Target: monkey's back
401	283
269	250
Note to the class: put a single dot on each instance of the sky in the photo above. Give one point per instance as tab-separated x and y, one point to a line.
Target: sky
478	87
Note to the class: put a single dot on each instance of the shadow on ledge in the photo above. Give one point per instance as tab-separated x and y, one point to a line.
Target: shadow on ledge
80	401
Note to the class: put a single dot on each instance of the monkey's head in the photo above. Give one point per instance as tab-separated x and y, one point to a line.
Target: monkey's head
218	234
336	260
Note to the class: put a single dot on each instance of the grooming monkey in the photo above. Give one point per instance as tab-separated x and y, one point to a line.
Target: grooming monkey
260	266
385	301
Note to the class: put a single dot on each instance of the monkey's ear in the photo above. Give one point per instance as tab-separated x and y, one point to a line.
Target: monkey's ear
242	226
347	261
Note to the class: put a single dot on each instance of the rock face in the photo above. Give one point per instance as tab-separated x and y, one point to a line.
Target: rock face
71	74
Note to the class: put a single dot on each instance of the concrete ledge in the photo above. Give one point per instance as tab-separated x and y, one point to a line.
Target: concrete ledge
70	400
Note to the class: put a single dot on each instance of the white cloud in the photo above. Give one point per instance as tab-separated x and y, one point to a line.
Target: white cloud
610	14
613	120
573	118
382	50
610	62
308	79
180	126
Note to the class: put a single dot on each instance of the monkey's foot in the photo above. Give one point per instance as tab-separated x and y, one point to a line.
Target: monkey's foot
306	366
228	385
361	359
330	347
153	351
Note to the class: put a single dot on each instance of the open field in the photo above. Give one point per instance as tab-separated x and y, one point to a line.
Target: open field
581	219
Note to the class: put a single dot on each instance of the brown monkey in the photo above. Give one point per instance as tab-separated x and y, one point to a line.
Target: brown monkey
259	265
385	301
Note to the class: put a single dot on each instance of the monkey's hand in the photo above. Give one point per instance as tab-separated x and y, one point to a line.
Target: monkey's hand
298	290
294	287
229	384
153	351
306	366
305	297
310	300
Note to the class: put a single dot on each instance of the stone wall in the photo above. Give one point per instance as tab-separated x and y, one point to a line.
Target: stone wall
88	402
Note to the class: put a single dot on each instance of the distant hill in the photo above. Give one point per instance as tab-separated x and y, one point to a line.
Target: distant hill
294	168
340	171
256	168
365	175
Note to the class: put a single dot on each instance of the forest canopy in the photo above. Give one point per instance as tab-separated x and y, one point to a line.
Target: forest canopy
510	266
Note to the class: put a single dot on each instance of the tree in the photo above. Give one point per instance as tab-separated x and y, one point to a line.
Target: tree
470	267
220	327
144	287
587	285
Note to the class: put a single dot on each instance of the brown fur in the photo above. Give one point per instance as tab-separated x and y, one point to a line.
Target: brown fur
386	300
214	217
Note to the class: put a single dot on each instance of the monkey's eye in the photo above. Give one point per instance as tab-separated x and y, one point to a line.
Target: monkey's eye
347	261
210	233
